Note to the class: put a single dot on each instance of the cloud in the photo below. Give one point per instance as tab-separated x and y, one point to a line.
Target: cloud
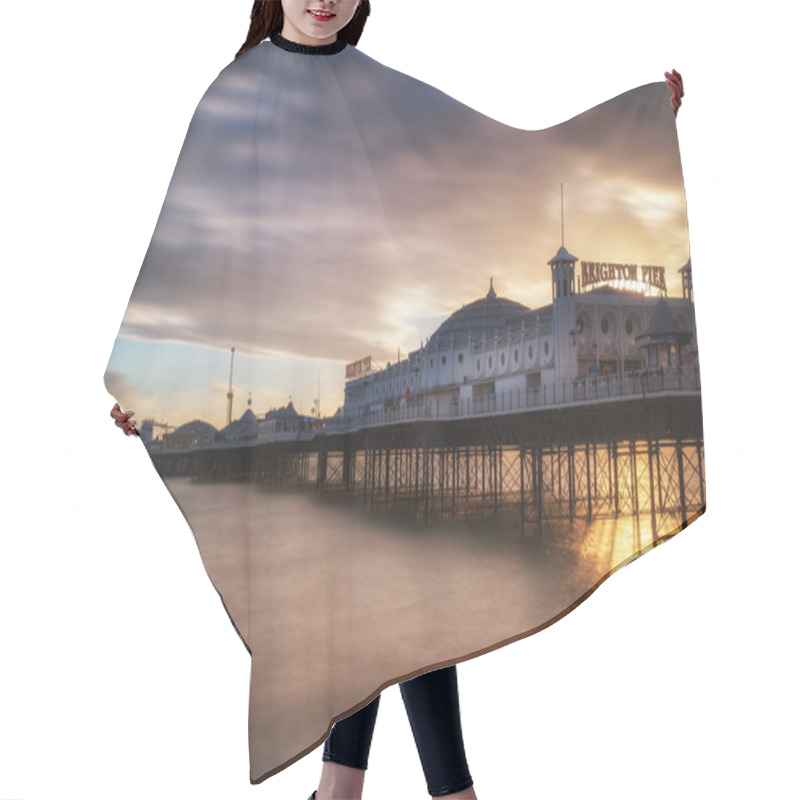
120	388
336	209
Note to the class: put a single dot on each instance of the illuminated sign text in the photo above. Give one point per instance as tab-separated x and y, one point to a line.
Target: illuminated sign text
358	368
593	272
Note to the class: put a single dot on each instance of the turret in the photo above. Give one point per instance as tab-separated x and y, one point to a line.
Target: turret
562	268
686	281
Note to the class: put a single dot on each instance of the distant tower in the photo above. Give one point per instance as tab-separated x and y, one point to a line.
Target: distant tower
686	281
230	389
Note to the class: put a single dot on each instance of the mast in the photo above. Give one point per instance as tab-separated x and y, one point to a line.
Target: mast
230	388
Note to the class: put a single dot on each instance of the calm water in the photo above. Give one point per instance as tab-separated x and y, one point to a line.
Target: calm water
335	603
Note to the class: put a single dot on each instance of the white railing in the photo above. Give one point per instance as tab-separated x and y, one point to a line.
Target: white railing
581	391
577	392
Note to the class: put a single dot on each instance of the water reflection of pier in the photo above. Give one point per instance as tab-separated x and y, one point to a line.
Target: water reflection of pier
634	457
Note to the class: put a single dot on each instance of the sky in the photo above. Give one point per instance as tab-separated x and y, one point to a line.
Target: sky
324	209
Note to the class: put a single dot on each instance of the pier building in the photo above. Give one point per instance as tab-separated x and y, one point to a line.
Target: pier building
582	409
604	325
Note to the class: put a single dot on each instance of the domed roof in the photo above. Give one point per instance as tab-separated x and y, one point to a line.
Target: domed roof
194	432
484	316
243	428
196	427
663	327
287	412
662	323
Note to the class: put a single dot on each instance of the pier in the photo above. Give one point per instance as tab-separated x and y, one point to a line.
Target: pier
602	449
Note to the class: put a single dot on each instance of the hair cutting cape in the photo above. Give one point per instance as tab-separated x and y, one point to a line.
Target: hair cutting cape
412	403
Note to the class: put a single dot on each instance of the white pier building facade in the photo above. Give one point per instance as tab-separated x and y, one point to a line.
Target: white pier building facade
610	331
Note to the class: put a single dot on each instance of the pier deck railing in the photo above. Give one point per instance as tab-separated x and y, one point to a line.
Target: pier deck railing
581	391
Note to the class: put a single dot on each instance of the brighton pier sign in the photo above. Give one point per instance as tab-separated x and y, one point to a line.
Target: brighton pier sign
646	277
358	368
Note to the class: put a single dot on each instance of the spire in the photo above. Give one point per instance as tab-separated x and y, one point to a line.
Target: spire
491	294
230	389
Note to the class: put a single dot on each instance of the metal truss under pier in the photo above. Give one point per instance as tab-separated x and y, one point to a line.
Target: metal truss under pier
640	458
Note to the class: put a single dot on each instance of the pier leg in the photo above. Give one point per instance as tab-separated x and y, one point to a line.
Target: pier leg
681	483
495	481
347	466
442	452
701	473
650	455
416	482
539	487
455	456
483	477
500	455
522	491
635	497
369	474
571	480
466	464
386	481
662	500
426	480
396	469
322	471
